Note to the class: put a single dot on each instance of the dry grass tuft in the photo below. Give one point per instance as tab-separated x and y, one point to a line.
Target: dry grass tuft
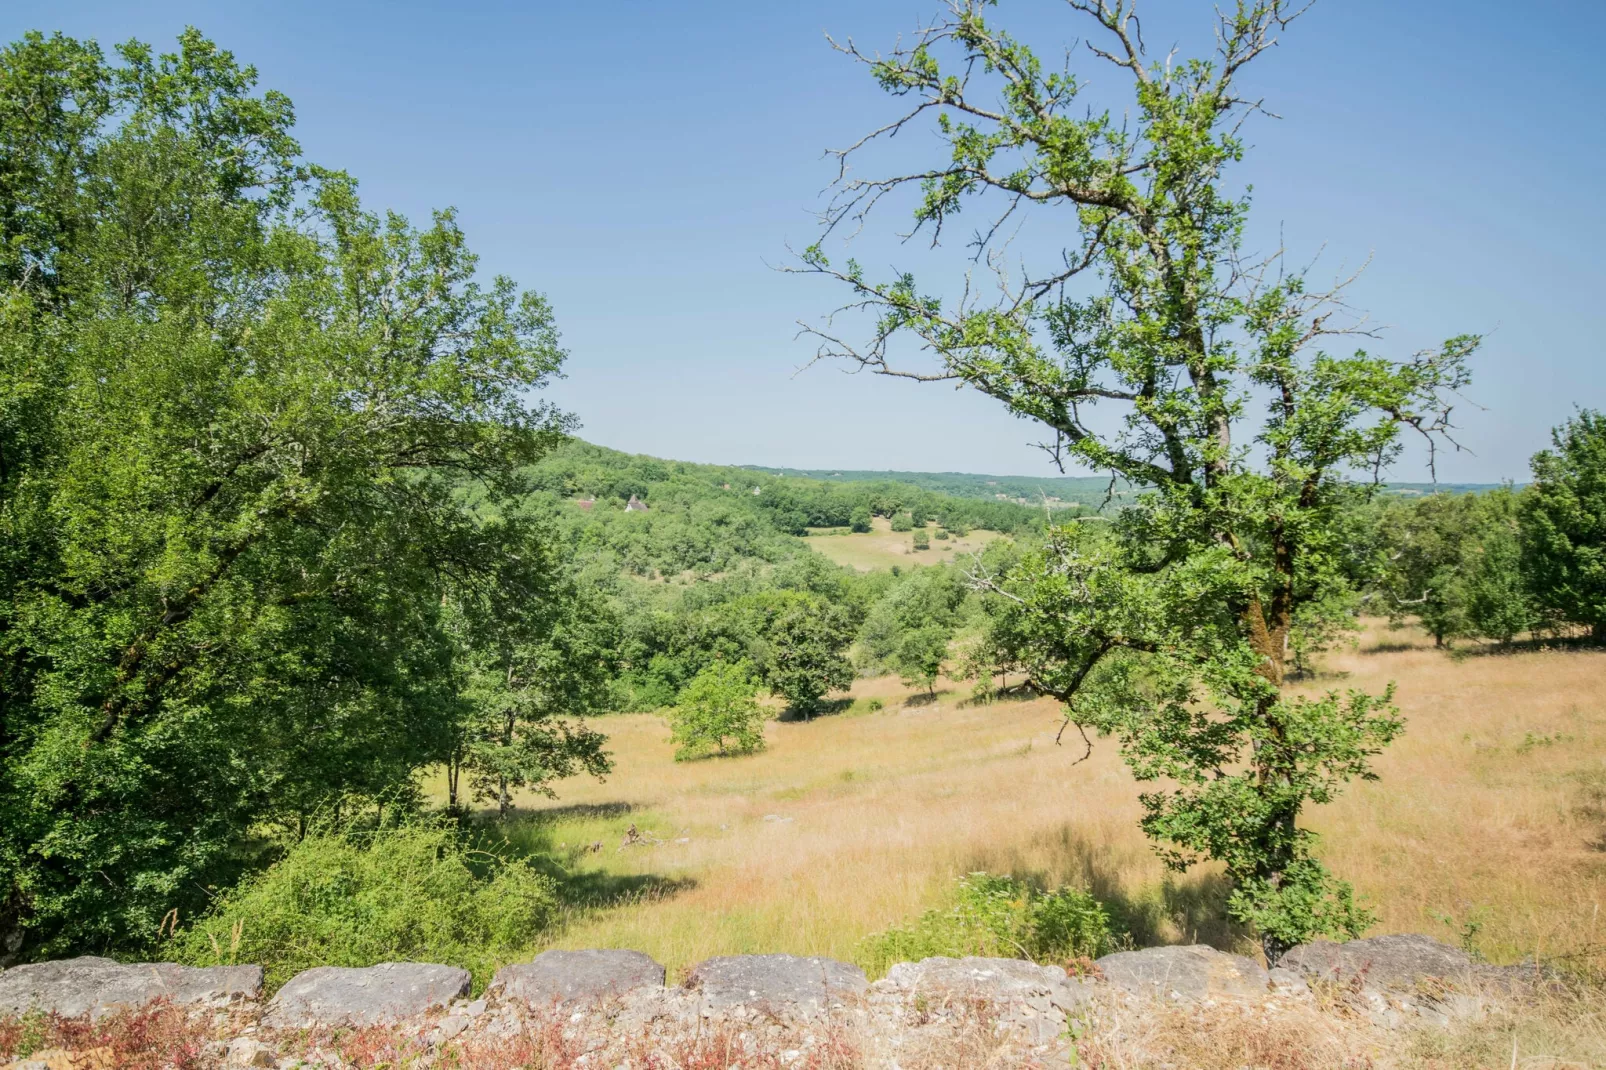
159	1037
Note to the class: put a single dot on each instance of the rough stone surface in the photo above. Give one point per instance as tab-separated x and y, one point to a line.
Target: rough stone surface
776	981
999	981
1399	962
247	1051
1185	974
576	977
1396	978
391	991
97	986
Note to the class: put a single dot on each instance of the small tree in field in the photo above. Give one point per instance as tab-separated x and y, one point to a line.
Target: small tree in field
805	652
1174	632
717	713
919	656
1564	524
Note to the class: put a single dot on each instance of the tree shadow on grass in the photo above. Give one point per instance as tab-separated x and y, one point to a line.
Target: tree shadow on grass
1392	646
925	698
830	707
1183	908
1002	696
599	890
551	815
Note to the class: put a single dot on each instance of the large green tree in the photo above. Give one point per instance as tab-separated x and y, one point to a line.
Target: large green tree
1230	406
534	648
1564	524
236	415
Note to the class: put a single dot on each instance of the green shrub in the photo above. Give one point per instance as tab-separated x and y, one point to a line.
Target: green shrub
922	541
875	705
942	534
414	893
997	917
902	522
717	713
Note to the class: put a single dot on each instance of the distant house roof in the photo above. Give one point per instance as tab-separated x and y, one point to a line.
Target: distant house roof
586	503
635	505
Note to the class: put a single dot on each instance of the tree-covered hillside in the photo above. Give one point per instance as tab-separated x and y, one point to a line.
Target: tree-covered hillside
1059	492
719	495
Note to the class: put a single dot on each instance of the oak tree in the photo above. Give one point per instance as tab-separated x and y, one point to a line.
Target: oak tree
1154	346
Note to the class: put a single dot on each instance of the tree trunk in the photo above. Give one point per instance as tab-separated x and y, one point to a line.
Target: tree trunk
504	802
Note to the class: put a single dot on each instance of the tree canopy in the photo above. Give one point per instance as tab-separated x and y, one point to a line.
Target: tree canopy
1231	404
236	414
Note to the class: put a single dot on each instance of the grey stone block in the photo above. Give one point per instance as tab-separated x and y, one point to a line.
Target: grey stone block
576	977
97	986
1185	974
780	982
388	992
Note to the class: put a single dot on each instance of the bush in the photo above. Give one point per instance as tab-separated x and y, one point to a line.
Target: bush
942	534
716	707
902	522
997	917
875	705
414	893
859	520
922	541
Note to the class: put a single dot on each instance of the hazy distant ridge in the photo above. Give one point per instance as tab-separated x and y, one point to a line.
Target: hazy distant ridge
1088	490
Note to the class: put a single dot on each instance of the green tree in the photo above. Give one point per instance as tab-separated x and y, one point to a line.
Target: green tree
805	652
535	654
859	521
236	416
1564	524
902	522
919	655
1426	543
718	713
1174	635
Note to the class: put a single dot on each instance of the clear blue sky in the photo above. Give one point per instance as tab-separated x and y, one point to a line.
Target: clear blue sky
643	162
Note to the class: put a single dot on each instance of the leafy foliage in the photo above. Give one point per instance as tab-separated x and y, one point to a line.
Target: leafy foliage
1564	524
532	647
237	412
717	713
803	650
411	893
998	917
1174	633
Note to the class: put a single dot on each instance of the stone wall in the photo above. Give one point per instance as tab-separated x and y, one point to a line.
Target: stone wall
612	1002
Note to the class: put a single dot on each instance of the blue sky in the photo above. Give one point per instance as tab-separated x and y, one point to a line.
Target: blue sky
646	164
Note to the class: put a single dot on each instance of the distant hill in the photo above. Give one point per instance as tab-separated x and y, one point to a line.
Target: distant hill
1058	491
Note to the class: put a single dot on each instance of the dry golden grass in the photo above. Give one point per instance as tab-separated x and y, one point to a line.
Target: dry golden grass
881	547
853	822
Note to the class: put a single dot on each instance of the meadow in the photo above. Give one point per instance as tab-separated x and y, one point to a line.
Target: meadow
1486	827
881	547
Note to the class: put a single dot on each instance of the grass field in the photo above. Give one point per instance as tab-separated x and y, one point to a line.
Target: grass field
1488	824
881	547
